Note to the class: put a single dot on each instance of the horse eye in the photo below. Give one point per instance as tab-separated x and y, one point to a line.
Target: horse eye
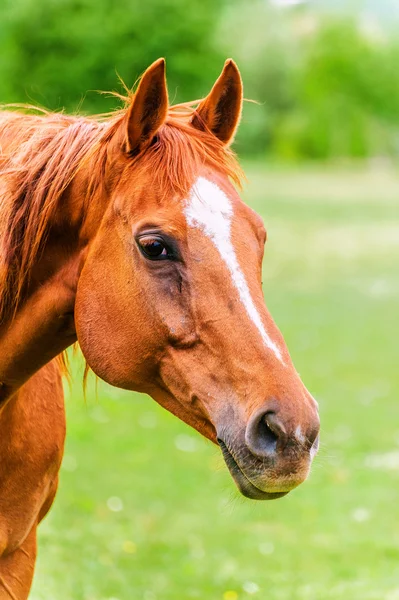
154	248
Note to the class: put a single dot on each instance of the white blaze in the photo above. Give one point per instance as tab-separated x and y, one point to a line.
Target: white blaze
209	209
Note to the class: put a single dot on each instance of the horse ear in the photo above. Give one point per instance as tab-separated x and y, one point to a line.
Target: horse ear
148	109
220	111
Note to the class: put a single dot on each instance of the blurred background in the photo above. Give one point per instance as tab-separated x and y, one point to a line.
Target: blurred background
146	509
323	71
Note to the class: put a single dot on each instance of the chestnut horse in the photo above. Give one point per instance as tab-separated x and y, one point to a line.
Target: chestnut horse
125	233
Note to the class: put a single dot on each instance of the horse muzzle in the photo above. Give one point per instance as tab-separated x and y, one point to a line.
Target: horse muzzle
269	459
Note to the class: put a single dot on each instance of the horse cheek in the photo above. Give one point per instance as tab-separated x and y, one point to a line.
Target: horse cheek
112	322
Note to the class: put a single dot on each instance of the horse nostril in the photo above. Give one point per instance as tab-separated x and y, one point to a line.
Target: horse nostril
264	431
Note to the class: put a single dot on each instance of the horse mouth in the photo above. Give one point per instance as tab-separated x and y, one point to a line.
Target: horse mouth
246	487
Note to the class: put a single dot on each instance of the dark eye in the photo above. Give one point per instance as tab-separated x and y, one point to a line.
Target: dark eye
154	248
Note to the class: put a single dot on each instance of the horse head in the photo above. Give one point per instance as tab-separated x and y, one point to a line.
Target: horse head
169	301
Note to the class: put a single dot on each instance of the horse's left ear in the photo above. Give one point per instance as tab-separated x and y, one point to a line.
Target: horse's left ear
148	109
220	111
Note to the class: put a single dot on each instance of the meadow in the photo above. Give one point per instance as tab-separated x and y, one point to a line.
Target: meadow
146	509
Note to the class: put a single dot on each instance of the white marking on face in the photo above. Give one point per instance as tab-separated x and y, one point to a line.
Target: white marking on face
299	435
209	209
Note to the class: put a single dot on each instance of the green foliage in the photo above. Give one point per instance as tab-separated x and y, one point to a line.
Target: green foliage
326	85
54	51
347	93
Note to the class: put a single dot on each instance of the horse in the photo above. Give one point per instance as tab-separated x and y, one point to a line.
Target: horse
125	233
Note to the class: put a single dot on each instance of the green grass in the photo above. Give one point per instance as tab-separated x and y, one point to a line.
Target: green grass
146	509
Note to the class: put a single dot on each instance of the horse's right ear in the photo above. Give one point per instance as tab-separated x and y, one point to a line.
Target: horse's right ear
148	109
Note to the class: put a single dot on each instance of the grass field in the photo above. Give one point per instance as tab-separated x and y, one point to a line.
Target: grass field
146	509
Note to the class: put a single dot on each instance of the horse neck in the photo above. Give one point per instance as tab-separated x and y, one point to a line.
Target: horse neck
43	325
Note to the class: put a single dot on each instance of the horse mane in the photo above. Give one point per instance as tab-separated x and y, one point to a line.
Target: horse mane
44	153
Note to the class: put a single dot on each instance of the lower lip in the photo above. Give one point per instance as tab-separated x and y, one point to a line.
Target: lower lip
246	487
